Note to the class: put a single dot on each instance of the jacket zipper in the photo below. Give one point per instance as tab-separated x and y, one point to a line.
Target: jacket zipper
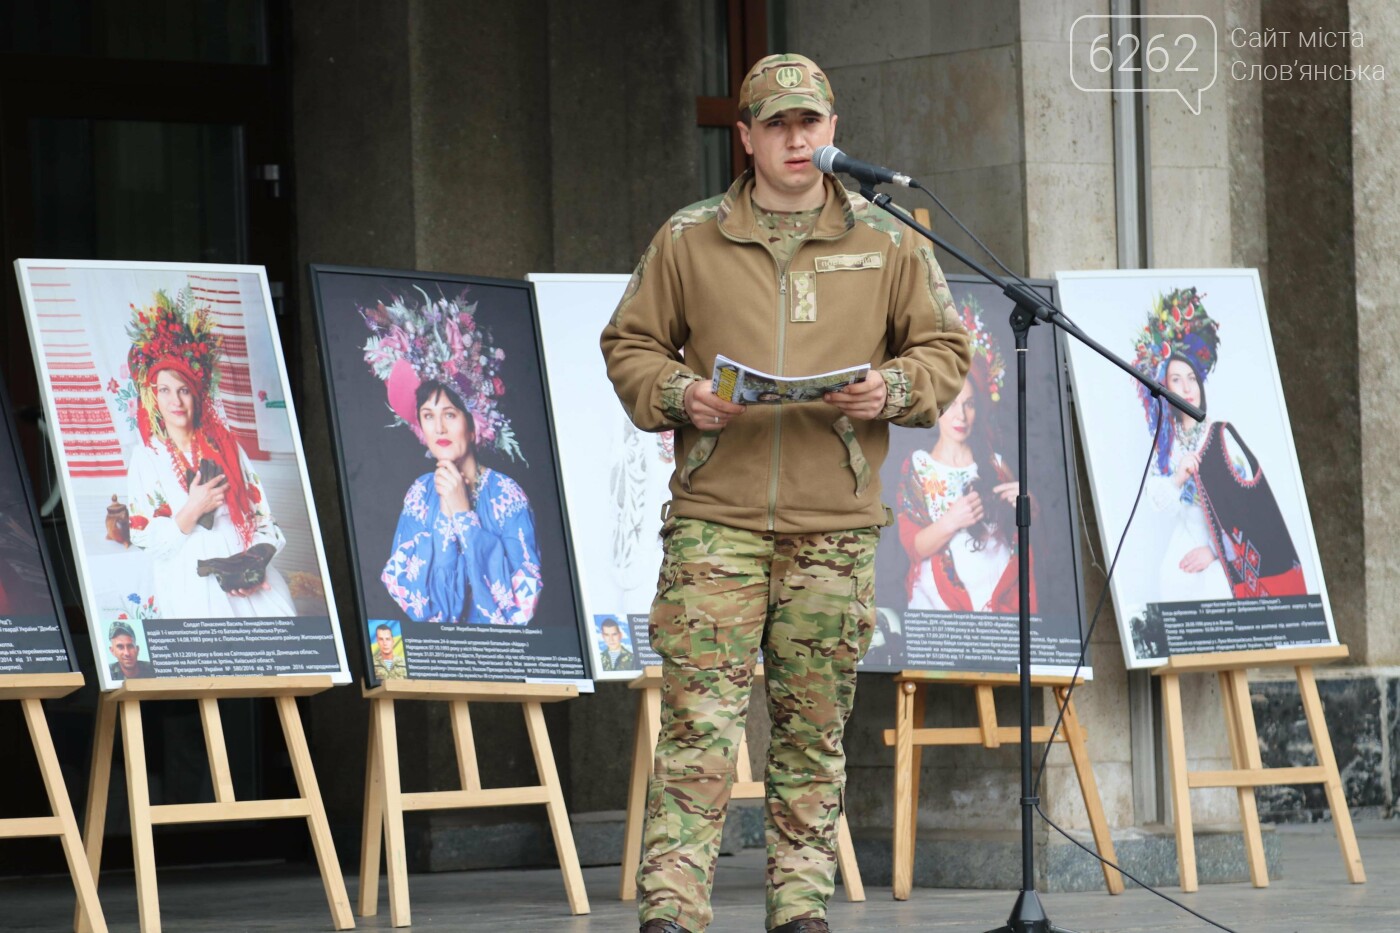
775	460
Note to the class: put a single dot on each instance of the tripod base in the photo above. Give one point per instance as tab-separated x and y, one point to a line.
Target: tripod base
1028	917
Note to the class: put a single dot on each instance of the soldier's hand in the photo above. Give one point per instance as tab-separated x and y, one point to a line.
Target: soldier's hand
708	411
864	400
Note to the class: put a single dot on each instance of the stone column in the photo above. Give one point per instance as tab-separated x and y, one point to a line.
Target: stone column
1375	135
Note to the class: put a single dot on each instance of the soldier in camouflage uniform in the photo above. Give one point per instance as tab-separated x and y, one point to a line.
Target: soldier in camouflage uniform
388	655
775	511
615	656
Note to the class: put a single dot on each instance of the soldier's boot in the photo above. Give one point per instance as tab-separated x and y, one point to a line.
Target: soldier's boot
805	925
663	926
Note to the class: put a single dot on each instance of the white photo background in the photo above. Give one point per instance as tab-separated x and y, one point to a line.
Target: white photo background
616	478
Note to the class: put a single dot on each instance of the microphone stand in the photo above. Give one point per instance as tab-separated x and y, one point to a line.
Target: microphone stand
1027	916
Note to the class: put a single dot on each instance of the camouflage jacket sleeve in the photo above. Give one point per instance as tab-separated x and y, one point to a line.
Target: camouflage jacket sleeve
642	344
927	342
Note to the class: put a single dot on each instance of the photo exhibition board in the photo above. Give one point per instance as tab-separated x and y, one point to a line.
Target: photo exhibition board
34	636
945	579
616	478
184	482
1221	554
449	477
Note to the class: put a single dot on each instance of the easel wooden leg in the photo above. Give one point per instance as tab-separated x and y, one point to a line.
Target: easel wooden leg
217	749
1089	787
986	716
62	808
558	812
372	826
636	804
468	771
1247	740
99	785
138	798
1181	790
386	754
318	824
1336	794
905	824
846	862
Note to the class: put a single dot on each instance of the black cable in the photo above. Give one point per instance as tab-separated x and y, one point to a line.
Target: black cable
1138	882
1103	598
996	260
1162	414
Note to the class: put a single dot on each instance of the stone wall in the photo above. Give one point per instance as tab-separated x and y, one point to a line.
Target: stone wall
495	140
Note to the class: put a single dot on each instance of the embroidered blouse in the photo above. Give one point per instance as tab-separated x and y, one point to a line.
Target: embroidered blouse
480	567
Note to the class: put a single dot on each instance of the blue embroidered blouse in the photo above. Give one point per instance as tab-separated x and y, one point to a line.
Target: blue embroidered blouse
480	567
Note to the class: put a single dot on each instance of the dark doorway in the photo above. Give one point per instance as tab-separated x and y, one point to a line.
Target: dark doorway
155	130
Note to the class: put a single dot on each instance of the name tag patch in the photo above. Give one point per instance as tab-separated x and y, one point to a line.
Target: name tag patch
850	262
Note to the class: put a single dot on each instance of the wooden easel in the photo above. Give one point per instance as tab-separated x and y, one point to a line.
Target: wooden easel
1249	771
31	690
386	803
910	736
745	788
126	702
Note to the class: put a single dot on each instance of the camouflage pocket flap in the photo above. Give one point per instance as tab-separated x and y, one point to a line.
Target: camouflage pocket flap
849	262
697	456
857	462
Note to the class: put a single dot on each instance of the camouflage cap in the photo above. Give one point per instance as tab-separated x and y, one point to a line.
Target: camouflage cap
782	82
121	628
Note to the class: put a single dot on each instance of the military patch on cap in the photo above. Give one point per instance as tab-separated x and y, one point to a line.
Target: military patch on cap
788	77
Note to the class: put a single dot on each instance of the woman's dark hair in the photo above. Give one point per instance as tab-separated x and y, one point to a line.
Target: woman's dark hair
431	388
1200	386
998	517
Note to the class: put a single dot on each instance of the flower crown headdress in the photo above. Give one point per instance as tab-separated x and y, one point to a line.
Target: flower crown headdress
175	335
1177	328
412	343
983	346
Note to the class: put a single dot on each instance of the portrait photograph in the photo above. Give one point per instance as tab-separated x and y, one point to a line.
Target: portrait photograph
1221	554
616	477
386	651
947	568
184	483
448	472
613	644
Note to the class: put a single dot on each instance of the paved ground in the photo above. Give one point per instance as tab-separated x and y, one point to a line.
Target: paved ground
1313	895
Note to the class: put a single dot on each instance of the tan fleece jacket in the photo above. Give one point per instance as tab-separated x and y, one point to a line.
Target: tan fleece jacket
860	289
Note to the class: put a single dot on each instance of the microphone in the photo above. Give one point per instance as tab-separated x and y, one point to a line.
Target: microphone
831	159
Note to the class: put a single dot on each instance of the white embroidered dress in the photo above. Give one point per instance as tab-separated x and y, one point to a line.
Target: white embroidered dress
1190	529
979	570
154	495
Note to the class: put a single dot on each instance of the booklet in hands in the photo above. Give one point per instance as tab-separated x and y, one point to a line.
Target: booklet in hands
735	382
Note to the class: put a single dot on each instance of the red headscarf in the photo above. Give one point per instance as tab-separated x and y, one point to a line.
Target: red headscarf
212	441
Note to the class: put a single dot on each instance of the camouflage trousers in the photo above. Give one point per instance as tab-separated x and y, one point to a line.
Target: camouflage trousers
805	600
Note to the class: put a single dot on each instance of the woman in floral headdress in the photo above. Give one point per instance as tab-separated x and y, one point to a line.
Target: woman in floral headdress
1228	537
197	506
957	499
464	550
